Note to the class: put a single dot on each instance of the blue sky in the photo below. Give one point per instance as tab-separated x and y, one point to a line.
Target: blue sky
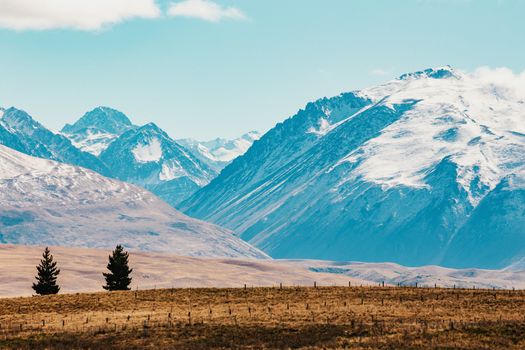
243	65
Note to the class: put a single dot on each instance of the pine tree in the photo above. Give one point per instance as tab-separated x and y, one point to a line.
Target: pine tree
47	275
118	278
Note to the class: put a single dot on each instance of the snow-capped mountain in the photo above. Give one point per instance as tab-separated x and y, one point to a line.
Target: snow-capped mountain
148	157
425	169
145	155
97	129
20	131
49	203
220	152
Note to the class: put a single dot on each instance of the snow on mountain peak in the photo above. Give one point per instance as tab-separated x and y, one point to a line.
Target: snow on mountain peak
96	129
219	152
228	150
148	143
475	122
17	119
148	157
151	128
103	119
23	133
252	135
433	73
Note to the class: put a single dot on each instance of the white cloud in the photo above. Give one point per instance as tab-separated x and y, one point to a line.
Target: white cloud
204	9
75	14
503	80
380	72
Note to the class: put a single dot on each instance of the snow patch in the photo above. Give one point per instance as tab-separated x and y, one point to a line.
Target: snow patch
150	151
172	169
322	129
92	141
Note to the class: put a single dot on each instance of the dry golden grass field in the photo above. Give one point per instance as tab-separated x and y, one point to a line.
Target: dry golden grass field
266	318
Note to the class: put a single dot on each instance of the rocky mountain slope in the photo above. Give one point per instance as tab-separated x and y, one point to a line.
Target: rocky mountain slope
97	129
425	169
148	157
49	203
20	131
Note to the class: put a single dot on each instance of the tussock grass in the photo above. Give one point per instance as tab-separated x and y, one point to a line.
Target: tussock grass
265	318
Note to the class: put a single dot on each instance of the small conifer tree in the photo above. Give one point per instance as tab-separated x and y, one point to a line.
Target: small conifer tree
119	276
46	280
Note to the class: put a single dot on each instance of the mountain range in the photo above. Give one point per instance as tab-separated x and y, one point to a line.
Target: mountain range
106	141
428	168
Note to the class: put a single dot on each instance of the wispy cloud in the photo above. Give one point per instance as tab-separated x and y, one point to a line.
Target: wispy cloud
206	10
73	14
503	80
380	72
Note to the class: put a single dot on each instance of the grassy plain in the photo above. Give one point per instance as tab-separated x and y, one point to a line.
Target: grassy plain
265	318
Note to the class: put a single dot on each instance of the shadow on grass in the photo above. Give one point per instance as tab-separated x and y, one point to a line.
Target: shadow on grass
191	337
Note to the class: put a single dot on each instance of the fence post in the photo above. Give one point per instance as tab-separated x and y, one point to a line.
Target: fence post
145	329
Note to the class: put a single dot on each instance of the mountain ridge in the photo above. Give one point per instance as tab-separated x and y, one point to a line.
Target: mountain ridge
29	136
177	175
96	129
432	145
